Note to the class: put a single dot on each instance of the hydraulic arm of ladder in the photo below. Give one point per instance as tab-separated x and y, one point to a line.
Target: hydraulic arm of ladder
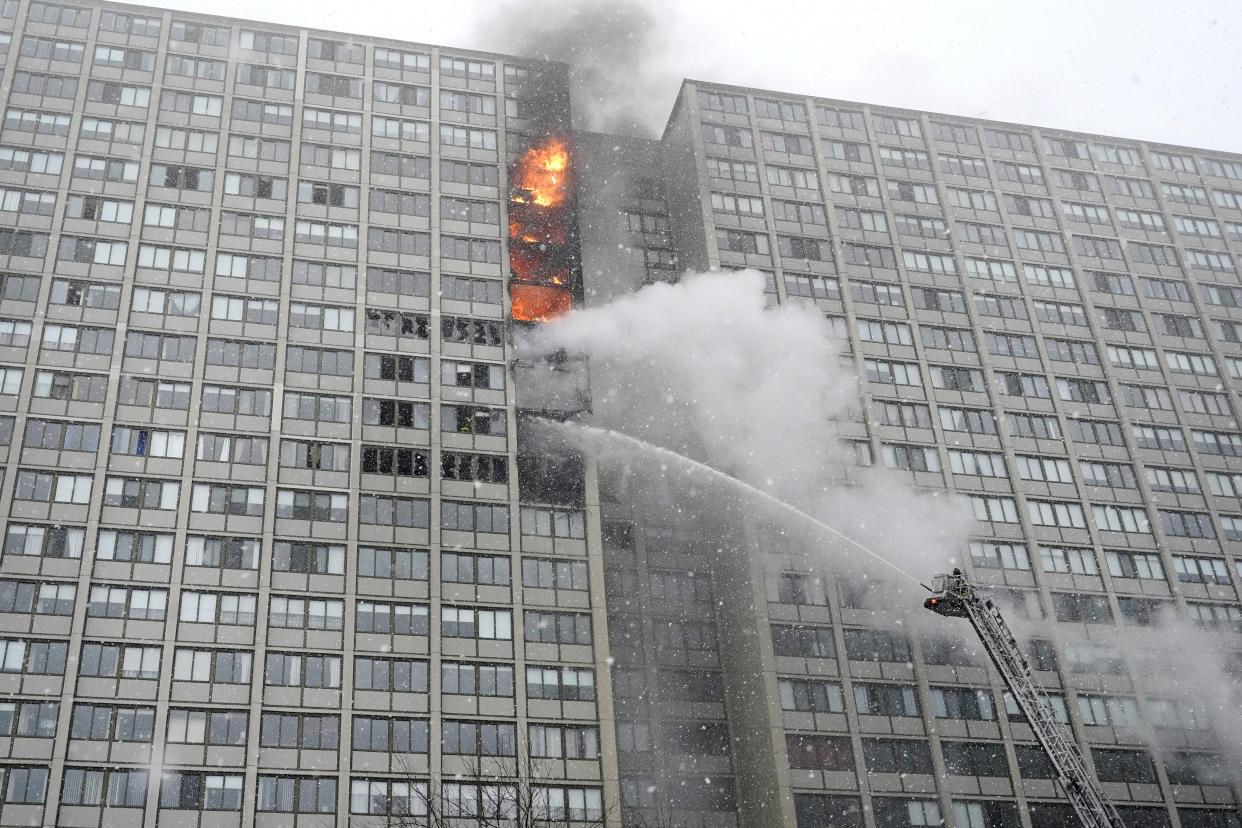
955	597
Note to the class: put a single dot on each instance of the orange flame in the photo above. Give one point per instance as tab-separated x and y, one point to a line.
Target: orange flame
533	265
541	175
536	303
537	229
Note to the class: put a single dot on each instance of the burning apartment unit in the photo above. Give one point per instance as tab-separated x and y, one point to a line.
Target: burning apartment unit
279	550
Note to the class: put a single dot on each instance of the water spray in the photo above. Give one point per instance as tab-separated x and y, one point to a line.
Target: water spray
695	465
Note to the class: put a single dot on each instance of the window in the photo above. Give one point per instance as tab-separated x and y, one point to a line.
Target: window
962	703
875	645
186	178
382	796
1225	484
951	339
974	420
482	739
472	517
884	699
560	682
267	77
892	373
811	695
999	555
219	666
1186	525
557	627
121	724
1215	616
552	523
310	671
33	597
1182	481
1139	220
1123	766
970	199
1094	432
140	546
1114	475
892	333
1215	442
298	504
1018	173
191	790
299	613
476	679
910	458
398	735
897	157
803	642
1137	358
222	552
131	603
974	759
857	185
547	573
912	191
217	608
118	661
48	487
1068	560
300	794
163	347
831	753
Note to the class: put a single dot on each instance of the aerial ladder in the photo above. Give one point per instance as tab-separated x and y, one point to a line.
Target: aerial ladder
955	597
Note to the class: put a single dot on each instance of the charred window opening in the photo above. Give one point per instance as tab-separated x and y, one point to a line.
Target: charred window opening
556	480
401	462
472	375
481	468
469	419
550	476
398	413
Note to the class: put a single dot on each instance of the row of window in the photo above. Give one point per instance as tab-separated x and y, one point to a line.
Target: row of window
807	590
313	670
194	33
893	812
202	791
907	756
964	135
307	731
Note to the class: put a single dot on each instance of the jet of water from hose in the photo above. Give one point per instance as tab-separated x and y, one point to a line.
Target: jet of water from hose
688	463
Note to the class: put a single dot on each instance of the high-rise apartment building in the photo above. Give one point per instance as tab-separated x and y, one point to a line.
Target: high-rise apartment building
273	554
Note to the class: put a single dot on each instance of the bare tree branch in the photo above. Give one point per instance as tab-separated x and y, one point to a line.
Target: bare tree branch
492	792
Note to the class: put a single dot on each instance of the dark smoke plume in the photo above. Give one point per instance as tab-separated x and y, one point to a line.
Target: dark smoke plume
615	50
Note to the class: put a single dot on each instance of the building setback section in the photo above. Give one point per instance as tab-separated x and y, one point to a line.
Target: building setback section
264	559
1044	321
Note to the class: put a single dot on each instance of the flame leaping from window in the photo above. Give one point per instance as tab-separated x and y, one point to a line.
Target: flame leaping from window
539	216
541	175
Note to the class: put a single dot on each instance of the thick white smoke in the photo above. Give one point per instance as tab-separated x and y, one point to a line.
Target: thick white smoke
618	55
704	369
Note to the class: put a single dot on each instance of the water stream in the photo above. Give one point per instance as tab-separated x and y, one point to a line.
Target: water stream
691	464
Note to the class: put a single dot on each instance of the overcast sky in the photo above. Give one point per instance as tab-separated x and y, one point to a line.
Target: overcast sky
1161	71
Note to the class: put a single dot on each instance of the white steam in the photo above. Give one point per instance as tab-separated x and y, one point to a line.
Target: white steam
704	369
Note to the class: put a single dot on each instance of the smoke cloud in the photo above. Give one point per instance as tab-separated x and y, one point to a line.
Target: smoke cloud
616	50
704	369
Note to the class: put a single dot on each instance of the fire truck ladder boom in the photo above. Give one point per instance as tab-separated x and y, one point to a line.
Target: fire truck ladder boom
955	597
